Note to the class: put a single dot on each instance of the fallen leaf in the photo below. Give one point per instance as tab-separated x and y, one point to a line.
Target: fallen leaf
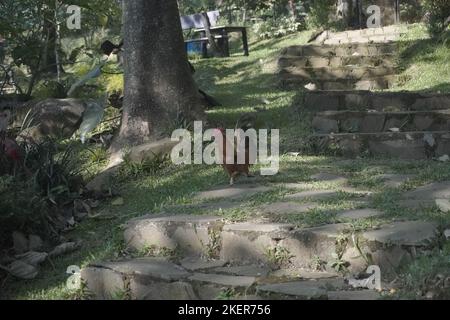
22	270
64	248
443	205
118	202
33	258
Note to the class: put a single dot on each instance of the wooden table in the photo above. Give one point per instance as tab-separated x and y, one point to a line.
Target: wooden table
223	40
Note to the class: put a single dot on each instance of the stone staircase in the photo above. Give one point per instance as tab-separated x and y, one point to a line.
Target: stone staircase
341	70
352	60
207	256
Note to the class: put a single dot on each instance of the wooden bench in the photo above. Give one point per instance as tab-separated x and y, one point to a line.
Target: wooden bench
195	22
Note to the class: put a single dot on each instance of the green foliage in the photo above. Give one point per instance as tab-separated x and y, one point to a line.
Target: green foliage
31	198
438	13
277	27
148	166
411	11
428	276
320	15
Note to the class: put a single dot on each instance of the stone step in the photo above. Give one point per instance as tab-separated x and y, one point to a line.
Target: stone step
388	30
343	73
343	50
375	83
381	101
399	145
272	244
374	121
387	60
161	279
387	38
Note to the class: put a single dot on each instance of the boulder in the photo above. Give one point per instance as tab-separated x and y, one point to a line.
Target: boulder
55	118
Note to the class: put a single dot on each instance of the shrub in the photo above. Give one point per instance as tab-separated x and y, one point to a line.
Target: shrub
32	199
276	27
437	15
411	11
320	15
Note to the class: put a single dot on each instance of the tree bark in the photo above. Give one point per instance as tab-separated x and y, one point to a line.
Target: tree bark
293	6
159	88
212	41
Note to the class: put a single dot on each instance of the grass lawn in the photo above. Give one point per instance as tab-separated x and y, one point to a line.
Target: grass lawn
249	84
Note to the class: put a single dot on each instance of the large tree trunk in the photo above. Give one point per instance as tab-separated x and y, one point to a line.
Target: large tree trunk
159	88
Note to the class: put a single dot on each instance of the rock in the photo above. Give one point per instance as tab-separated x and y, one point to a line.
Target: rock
372	123
329	177
325	125
311	86
429	140
435	190
353	295
312	195
423	123
188	233
299	289
302	274
359	214
410	233
443	205
394	180
157	268
103	283
248	242
64	248
33	258
162	291
416	204
103	182
234	192
248	271
146	151
281	208
56	118
20	242
444	158
22	270
224	280
35	242
447	234
399	148
194	264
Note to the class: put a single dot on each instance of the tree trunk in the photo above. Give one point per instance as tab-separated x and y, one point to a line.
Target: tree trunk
212	42
159	88
293	6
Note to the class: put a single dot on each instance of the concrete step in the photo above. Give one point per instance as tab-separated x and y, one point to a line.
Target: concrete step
342	50
387	60
382	101
375	121
374	83
273	244
399	145
343	73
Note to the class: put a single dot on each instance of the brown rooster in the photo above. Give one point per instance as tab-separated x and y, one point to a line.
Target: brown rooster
236	169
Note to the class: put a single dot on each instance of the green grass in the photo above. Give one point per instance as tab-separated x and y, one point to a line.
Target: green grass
249	84
425	62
